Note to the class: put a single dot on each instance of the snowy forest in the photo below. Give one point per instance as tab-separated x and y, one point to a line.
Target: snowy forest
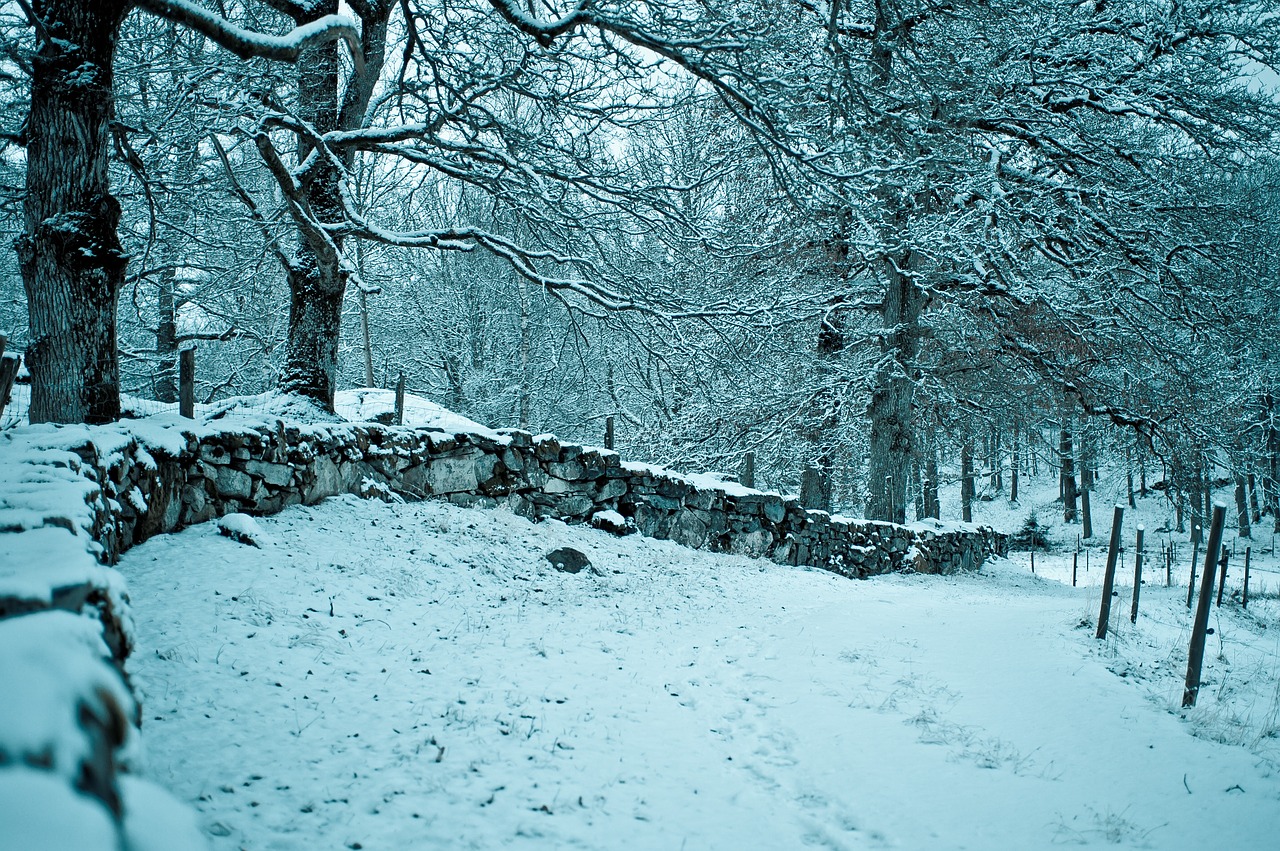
858	238
461	424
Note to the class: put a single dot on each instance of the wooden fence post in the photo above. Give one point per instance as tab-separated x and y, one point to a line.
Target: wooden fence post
747	477
1109	578
1195	653
1137	577
400	400
187	382
1244	595
1075	562
608	432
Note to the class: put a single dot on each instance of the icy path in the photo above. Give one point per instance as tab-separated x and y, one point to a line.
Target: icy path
464	695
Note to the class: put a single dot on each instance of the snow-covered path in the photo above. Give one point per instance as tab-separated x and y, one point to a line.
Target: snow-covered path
418	676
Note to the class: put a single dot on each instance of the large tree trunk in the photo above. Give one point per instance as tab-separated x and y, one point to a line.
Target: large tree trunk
317	282
69	254
892	440
317	277
315	321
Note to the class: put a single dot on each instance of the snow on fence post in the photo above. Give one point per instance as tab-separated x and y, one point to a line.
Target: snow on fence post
400	400
747	477
608	432
187	382
1109	577
1137	576
1195	653
1222	575
1244	594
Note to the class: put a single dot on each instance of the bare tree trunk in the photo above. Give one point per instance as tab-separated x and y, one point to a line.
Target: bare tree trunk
186	153
1271	482
317	279
525	403
366	338
1086	488
1197	493
931	506
1253	498
1068	474
69	253
1015	461
892	440
1242	508
914	489
996	468
966	481
1128	466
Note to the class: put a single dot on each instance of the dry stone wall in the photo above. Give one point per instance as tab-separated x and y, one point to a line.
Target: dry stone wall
263	470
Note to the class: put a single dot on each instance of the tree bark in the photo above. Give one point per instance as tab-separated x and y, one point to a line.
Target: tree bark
317	277
1068	475
69	254
1271	481
966	481
931	506
1015	461
892	437
1086	487
167	302
1242	508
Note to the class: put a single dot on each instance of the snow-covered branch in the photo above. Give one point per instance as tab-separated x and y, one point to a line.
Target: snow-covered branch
249	44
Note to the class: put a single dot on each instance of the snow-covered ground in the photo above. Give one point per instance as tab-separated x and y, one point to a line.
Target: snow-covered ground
418	676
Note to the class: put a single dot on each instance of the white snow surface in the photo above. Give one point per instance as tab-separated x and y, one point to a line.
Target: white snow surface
365	403
417	676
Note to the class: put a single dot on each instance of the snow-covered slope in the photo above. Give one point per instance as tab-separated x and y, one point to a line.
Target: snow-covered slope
419	676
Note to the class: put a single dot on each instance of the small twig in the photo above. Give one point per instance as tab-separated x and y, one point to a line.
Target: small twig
1184	783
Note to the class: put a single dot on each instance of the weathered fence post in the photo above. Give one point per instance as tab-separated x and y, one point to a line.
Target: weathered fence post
187	382
1075	562
400	400
1109	578
1137	576
1244	594
747	477
1195	653
608	432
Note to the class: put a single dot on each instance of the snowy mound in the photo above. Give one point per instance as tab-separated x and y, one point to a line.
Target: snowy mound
372	404
273	404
